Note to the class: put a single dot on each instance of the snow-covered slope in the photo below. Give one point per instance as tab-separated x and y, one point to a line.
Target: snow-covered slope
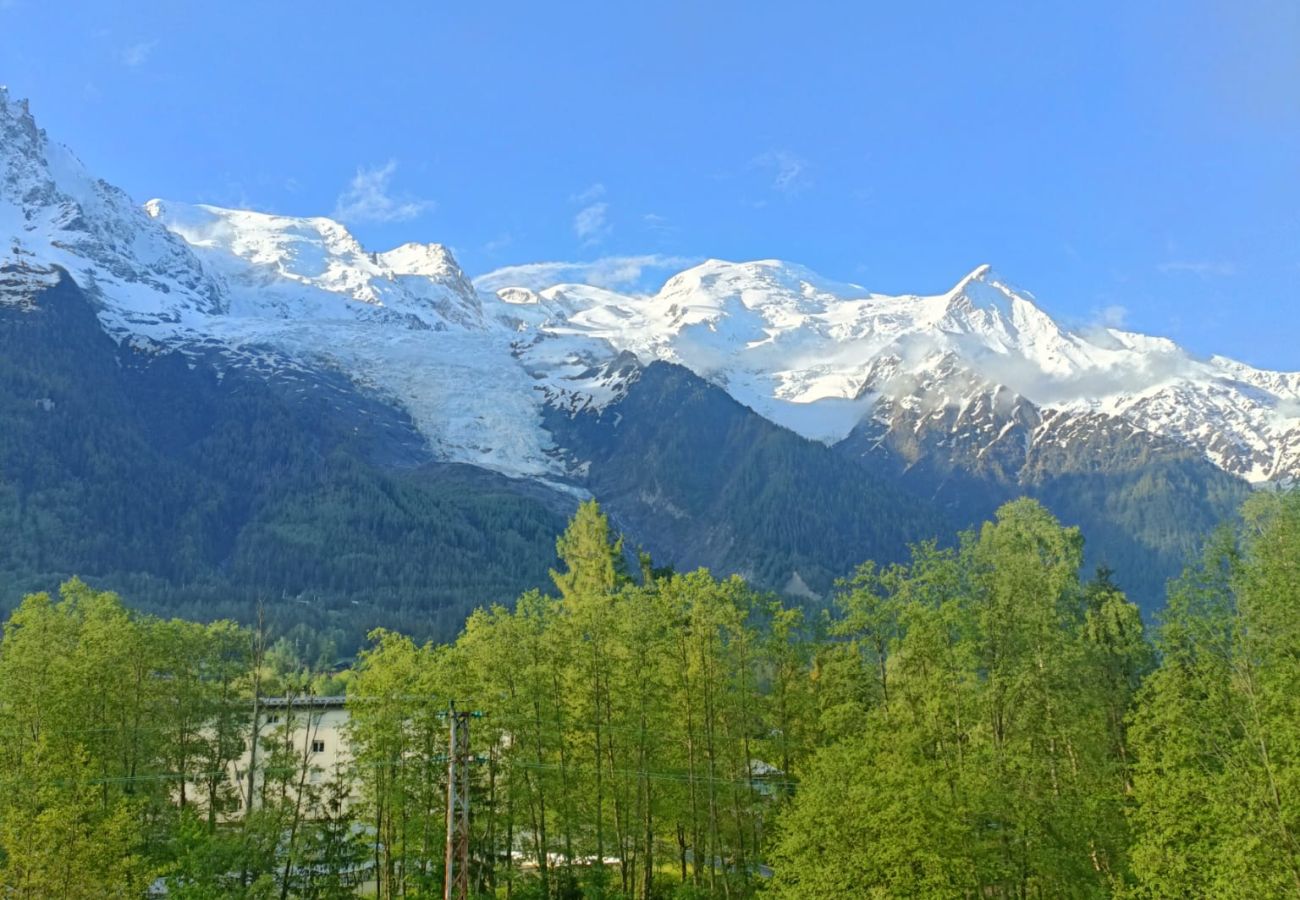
818	357
280	267
477	368
405	323
52	212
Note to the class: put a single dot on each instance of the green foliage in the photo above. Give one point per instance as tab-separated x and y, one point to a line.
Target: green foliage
399	745
1146	517
984	764
593	560
96	706
977	722
629	725
59	835
1217	728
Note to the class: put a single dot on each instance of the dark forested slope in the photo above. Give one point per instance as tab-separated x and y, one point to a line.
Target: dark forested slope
203	489
701	479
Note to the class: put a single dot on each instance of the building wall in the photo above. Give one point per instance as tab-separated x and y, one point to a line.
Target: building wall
317	737
303	730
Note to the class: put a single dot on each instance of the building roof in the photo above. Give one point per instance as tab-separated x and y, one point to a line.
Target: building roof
312	702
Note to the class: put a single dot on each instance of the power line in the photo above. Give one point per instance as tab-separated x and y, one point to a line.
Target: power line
427	762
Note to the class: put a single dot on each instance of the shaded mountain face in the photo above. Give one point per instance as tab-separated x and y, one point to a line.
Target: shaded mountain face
800	426
700	480
202	489
1144	502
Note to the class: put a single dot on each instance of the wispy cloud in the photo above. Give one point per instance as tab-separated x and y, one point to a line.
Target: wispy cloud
230	194
588	194
660	225
1201	268
137	54
606	272
368	198
591	223
789	172
1113	316
1025	376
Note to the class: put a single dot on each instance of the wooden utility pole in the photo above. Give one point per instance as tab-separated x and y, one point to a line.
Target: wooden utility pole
456	879
259	655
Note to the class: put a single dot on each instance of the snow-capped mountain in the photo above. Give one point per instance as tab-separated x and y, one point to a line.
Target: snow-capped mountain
478	370
52	212
820	358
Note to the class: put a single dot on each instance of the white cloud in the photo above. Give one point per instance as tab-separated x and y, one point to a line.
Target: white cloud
1114	316
590	225
137	54
367	198
789	172
533	276
588	194
1026	376
1288	408
607	272
1202	268
660	225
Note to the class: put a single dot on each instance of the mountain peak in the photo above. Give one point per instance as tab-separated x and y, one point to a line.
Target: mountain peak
19	104
983	273
55	213
413	258
21	135
985	289
757	282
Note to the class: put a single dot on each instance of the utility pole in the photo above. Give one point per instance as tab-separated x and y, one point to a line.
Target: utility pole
456	883
259	655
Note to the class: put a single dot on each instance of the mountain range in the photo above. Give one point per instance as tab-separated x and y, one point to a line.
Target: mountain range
753	417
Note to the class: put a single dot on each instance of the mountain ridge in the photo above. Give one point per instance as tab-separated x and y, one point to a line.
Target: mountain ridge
805	352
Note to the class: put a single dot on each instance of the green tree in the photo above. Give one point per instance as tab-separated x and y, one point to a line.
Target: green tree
58	838
1215	732
399	746
987	765
79	747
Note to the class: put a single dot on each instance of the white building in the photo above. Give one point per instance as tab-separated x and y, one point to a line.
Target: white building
298	746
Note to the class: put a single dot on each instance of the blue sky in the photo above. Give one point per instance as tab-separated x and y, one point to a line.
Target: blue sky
1136	163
